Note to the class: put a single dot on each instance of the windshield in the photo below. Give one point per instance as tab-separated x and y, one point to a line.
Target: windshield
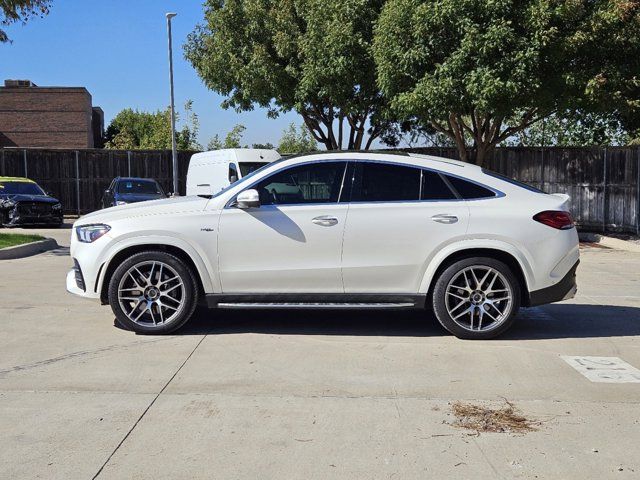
140	187
248	167
20	188
245	178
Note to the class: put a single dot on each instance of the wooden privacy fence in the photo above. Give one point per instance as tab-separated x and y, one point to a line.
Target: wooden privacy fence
604	183
78	178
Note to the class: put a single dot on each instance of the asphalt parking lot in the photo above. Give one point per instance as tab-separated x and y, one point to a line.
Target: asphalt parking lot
311	395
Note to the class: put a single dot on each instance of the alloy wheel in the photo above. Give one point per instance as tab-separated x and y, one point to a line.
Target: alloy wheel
151	293
479	298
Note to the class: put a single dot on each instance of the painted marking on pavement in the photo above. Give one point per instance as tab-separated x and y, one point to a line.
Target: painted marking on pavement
604	369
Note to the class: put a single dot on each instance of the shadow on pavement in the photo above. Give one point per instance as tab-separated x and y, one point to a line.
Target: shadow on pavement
314	322
564	320
551	322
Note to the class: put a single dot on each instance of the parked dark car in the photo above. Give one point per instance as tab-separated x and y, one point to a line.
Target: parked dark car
23	202
125	190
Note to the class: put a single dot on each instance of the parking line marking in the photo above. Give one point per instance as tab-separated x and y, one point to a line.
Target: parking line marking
604	369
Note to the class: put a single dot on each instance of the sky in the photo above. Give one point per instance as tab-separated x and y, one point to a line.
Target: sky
118	50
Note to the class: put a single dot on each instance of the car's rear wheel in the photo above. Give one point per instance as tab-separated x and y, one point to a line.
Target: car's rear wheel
153	293
476	298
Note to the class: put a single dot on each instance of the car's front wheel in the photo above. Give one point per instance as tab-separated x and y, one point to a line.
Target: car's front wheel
476	298
153	293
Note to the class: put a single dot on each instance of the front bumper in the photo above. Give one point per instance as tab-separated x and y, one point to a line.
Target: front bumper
75	287
563	290
15	218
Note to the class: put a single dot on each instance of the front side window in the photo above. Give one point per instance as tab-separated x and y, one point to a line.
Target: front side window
385	182
233	173
311	183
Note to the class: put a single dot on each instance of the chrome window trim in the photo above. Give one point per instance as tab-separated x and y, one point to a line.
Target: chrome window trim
498	193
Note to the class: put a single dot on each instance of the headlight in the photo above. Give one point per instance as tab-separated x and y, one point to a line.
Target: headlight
120	202
57	206
90	233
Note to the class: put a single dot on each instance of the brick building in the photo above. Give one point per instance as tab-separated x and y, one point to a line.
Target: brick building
48	117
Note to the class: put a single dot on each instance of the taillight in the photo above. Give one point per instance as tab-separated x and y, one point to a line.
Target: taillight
555	219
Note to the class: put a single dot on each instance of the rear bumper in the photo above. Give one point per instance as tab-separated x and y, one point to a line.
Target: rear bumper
563	290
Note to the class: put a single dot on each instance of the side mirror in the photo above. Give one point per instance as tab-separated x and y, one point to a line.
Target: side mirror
248	199
107	191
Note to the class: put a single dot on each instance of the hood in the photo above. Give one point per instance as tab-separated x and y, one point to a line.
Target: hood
165	206
29	198
137	197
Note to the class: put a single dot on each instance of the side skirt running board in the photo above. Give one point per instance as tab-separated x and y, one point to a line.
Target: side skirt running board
315	301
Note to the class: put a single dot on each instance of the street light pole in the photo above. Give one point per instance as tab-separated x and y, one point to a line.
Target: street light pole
174	149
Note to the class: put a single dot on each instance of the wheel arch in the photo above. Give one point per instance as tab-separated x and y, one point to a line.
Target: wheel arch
516	265
108	267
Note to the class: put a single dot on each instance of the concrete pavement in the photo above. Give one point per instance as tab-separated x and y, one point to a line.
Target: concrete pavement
310	394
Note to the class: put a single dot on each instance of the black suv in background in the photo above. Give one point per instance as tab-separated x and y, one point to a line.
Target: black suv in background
125	190
23	202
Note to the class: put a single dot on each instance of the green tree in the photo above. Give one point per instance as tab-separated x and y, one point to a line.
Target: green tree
311	56
573	128
266	146
138	130
606	46
296	140
233	139
481	72
12	11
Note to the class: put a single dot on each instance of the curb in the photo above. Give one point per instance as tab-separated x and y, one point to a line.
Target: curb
610	242
27	249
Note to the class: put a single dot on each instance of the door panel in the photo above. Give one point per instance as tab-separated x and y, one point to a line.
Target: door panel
391	233
387	245
292	242
281	249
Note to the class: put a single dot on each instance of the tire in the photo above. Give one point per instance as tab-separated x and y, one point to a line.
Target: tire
468	312
159	293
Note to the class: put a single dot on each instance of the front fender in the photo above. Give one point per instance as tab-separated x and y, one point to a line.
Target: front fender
210	281
520	254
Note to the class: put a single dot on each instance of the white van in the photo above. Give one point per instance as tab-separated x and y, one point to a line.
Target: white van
210	172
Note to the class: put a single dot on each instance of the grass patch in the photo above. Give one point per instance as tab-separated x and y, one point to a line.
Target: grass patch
13	239
505	419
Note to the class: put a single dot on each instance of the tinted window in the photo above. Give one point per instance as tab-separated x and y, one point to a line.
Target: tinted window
313	183
469	190
434	187
143	187
512	181
382	182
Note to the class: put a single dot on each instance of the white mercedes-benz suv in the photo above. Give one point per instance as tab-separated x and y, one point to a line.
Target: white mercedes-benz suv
335	231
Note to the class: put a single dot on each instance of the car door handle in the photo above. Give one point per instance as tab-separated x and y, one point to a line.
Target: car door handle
444	218
325	220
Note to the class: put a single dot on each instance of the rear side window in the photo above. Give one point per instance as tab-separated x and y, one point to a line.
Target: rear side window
434	187
469	190
382	182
